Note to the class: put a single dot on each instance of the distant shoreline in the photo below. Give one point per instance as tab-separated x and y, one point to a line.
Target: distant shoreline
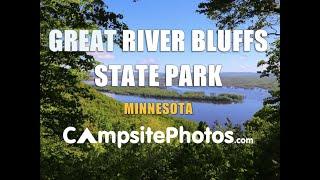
157	93
244	80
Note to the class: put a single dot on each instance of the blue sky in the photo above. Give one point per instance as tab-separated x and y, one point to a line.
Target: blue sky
174	14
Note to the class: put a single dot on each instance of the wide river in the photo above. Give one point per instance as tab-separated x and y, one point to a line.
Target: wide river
209	112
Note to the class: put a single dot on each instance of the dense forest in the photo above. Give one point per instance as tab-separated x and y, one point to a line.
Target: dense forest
66	101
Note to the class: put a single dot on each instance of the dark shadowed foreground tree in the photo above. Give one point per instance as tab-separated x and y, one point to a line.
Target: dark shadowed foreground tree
59	71
60	74
264	156
255	14
230	14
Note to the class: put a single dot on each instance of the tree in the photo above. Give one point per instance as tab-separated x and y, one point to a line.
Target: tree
256	14
272	67
231	14
262	159
60	90
59	71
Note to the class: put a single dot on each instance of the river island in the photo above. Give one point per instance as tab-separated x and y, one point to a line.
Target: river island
164	93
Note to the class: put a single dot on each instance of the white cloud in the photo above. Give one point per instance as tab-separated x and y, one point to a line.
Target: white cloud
243	57
247	68
243	66
102	56
147	61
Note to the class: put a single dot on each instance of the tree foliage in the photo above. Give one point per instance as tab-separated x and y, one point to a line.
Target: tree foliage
264	155
59	71
67	102
258	14
230	14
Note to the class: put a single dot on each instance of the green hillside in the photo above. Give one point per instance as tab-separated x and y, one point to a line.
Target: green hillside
60	160
104	161
104	112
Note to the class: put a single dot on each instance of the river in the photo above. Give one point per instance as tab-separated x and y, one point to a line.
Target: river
238	113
